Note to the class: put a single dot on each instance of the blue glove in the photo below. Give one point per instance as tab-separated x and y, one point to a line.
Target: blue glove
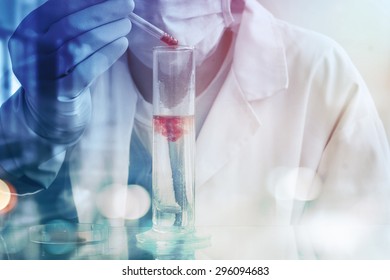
57	51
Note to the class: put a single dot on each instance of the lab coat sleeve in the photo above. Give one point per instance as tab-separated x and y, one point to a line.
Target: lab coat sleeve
27	161
355	165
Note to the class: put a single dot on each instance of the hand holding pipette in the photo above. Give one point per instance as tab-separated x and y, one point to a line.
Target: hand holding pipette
56	53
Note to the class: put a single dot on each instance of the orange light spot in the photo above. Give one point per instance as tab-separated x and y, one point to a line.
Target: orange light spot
8	197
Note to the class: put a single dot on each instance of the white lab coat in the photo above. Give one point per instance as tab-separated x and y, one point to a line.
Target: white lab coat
292	139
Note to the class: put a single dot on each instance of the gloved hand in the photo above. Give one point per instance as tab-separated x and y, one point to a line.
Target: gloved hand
57	51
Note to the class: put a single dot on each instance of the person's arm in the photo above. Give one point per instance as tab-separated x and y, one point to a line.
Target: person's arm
27	161
354	169
343	207
57	52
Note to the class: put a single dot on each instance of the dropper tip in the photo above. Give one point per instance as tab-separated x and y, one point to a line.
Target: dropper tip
169	40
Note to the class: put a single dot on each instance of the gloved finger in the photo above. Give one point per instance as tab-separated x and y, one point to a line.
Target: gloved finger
39	20
24	44
73	52
86	72
83	21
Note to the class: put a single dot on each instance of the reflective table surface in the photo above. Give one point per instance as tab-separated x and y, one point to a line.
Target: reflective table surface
89	241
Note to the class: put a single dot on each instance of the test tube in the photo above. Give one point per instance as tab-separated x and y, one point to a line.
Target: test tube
173	138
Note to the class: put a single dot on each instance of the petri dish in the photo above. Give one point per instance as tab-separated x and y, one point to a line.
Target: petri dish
62	240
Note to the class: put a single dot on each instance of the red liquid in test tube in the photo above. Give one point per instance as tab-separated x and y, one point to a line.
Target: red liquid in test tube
172	127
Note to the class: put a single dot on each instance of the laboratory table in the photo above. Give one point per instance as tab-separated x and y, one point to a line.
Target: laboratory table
223	242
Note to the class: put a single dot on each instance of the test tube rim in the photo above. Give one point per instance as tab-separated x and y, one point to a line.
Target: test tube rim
173	48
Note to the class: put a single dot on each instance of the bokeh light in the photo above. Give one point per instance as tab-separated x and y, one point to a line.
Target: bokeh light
129	202
8	197
138	202
337	235
13	240
294	184
58	237
111	201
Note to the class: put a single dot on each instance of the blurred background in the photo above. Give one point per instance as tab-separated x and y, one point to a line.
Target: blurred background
362	27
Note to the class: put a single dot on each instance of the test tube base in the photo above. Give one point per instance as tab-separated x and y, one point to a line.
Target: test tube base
179	245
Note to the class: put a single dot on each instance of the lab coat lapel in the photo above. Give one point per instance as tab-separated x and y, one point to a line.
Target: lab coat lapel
259	70
229	125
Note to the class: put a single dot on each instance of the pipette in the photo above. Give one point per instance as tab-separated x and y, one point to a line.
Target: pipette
153	30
